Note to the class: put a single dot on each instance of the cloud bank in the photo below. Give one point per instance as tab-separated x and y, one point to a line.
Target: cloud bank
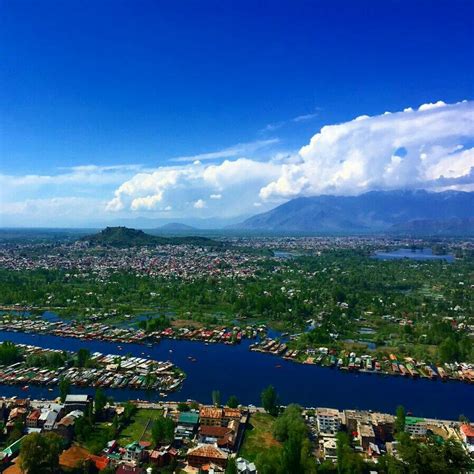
430	147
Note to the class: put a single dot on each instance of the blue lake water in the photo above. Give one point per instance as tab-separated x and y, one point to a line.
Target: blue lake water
234	370
418	254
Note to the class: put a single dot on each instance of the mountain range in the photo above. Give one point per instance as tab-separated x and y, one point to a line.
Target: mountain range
412	212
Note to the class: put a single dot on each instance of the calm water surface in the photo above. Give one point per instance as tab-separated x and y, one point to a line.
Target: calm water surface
234	370
418	254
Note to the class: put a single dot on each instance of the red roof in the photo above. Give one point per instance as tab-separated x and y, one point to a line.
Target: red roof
468	430
101	462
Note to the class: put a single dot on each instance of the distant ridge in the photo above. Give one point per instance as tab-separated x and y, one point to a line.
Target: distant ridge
374	211
123	237
177	226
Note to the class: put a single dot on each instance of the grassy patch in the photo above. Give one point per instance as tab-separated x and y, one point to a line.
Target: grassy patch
258	436
140	427
98	438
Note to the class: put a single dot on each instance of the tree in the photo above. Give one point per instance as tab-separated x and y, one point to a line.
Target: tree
39	453
231	466
100	400
64	388
232	402
17	432
270	400
268	461
83	356
183	406
400	419
290	422
216	397
129	409
83	428
162	430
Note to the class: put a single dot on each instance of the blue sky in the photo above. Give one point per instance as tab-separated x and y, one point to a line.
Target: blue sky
104	100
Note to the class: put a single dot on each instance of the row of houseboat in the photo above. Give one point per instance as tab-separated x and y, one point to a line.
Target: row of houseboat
104	332
392	365
106	370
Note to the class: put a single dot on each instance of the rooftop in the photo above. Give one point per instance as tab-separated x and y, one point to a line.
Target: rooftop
207	451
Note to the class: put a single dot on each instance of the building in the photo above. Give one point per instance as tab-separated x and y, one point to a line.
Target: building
77	402
467	435
211	416
134	452
329	448
328	420
415	426
65	426
206	454
189	419
32	419
245	467
48	419
224	437
365	435
162	457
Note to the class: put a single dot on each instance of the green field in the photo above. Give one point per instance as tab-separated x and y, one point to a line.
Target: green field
140	427
258	436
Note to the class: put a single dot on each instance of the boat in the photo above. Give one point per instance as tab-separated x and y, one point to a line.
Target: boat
278	366
24	388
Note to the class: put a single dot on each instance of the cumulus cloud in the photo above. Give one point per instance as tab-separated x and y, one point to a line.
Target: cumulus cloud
183	186
199	204
364	154
427	147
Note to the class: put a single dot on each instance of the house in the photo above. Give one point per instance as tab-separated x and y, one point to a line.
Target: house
245	467
365	435
100	462
162	457
415	426
134	452
328	420
189	419
47	419
65	426
206	454
224	436
329	448
77	402
230	414
124	469
467	435
211	416
32	419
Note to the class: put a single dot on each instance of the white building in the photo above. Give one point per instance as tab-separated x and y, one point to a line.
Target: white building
328	419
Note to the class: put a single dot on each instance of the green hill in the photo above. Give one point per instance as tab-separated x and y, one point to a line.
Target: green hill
124	237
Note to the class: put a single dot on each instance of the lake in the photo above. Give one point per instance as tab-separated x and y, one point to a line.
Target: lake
417	254
234	370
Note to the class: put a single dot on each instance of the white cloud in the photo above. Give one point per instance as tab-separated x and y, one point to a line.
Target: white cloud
199	204
231	152
415	148
360	155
